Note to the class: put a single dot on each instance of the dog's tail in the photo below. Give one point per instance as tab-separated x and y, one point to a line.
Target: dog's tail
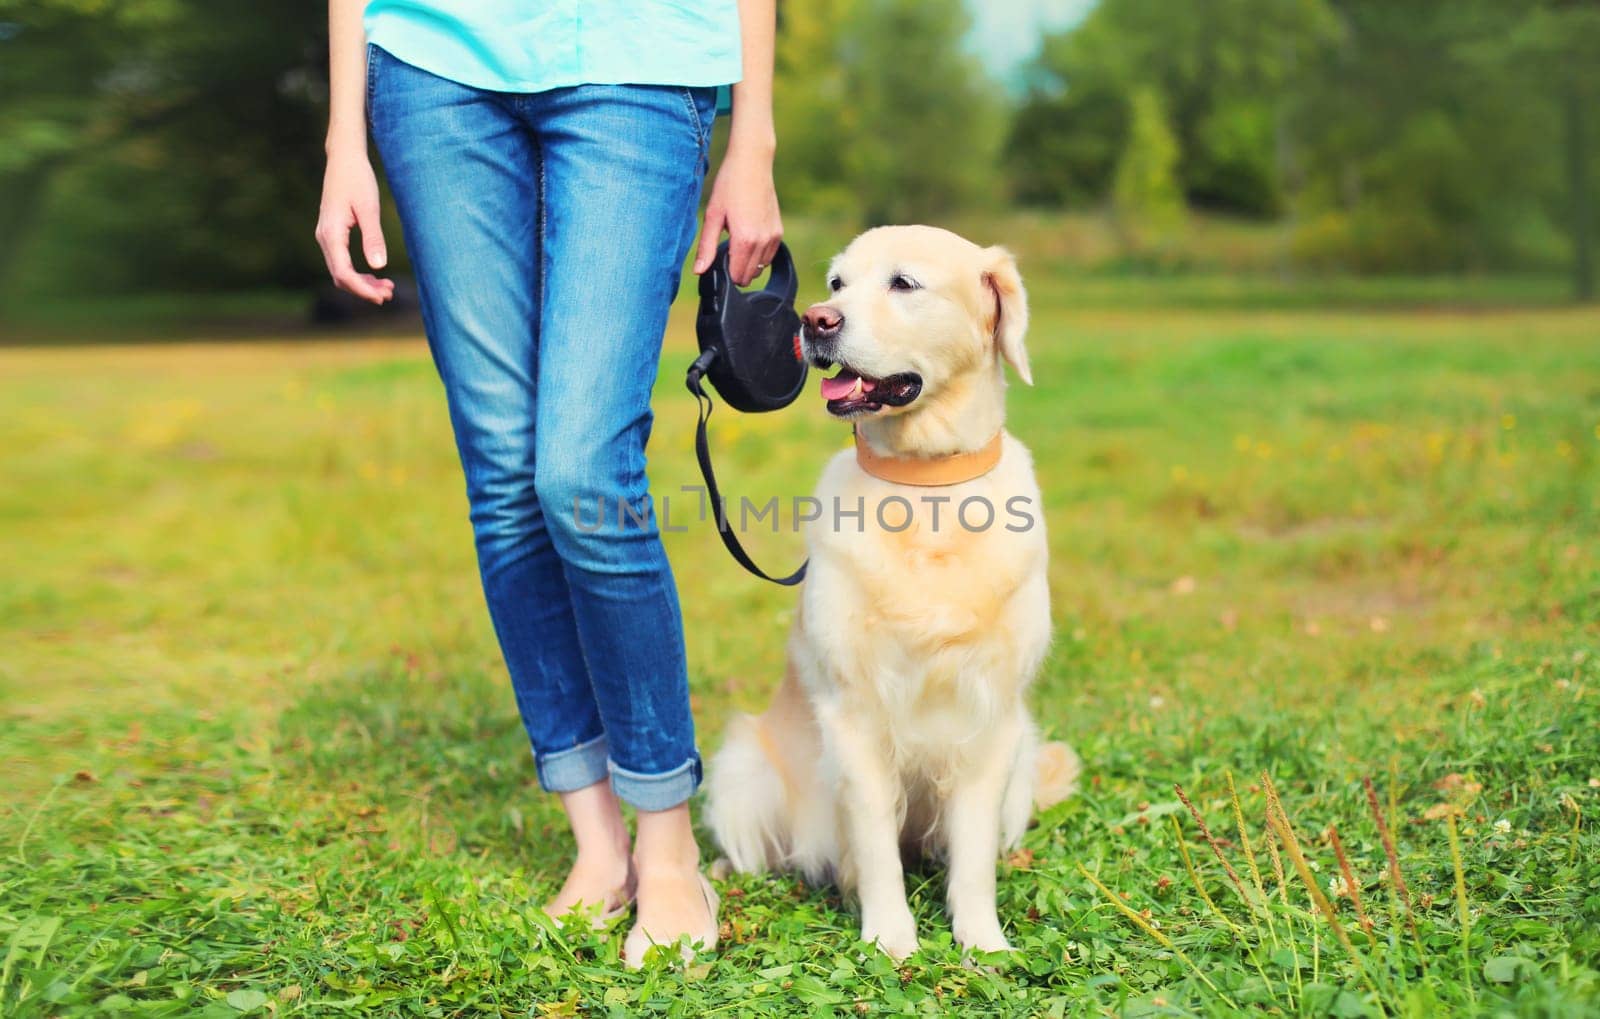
745	799
1056	769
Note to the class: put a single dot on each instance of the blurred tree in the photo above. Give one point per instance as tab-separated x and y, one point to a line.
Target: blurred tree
1146	196
1399	134
882	115
811	106
160	143
930	120
177	143
1439	133
1556	43
1064	144
1220	70
56	59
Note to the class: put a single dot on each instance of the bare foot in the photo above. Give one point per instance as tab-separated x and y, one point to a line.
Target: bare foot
673	902
601	883
601	880
675	899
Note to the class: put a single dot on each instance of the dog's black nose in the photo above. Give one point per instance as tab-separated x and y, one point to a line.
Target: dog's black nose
822	322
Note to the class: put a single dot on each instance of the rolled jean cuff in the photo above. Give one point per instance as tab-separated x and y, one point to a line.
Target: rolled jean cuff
579	767
656	792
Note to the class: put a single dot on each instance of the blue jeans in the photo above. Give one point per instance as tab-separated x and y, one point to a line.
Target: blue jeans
548	231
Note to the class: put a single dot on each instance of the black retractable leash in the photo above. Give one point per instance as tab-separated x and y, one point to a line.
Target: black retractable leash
750	352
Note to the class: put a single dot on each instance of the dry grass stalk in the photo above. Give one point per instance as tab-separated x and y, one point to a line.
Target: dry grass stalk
1250	858
1577	824
1199	886
1277	860
1271	840
1279	819
1216	847
1145	925
1244	839
1389	851
1291	845
1349	876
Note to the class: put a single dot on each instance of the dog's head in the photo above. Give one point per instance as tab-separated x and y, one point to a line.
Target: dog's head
914	312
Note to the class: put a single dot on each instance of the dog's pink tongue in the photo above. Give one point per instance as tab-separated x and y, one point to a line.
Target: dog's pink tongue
840	386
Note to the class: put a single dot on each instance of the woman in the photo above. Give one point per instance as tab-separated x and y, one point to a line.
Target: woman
546	160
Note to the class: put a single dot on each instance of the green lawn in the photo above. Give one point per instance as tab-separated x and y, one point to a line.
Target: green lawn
261	755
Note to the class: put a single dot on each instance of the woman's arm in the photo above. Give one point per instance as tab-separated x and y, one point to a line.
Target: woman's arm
349	187
743	200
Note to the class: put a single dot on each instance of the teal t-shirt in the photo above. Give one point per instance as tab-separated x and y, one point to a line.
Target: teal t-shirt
534	45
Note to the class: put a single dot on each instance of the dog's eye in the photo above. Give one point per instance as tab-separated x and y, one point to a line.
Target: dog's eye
900	282
835	284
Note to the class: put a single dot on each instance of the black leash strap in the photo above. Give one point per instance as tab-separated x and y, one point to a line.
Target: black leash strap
702	452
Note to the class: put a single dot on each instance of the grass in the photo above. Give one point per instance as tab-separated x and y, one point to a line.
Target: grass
261	757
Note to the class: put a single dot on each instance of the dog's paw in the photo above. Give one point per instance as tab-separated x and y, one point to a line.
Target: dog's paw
982	936
896	937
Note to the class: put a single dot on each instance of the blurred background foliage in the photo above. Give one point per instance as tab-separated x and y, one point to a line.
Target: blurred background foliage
176	145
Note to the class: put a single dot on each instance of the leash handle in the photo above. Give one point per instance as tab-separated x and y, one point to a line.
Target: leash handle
783	282
702	452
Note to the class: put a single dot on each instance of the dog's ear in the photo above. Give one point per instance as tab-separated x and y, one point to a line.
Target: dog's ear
1010	311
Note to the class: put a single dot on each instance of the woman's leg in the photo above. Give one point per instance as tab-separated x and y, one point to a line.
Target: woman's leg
622	172
464	171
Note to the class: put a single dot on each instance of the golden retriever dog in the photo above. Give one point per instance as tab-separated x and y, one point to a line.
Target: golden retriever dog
901	728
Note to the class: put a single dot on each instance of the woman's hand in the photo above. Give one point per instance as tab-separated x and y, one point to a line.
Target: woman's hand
350	199
743	200
745	203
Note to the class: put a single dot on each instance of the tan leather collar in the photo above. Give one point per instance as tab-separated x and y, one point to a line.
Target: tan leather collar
933	471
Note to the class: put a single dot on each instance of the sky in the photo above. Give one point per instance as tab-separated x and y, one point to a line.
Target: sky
1005	33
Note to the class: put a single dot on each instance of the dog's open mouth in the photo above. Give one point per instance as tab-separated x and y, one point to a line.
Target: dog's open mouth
849	392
